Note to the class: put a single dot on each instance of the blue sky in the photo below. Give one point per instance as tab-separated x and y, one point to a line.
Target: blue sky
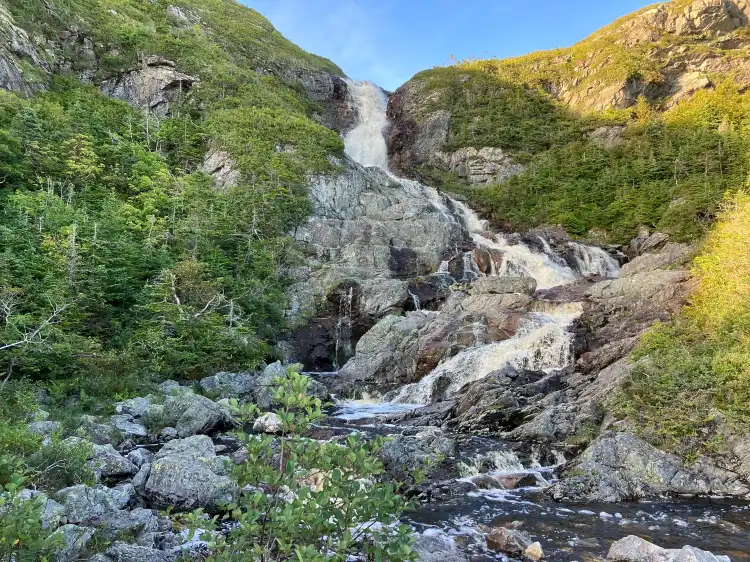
388	41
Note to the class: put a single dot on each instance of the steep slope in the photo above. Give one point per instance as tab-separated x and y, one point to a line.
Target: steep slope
574	134
158	226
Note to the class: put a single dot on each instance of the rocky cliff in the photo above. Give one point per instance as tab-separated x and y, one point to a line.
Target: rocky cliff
663	54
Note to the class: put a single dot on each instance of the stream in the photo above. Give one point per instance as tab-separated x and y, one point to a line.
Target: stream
543	342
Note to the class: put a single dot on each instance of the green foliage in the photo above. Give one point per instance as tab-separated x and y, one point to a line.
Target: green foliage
669	172
22	537
48	464
691	384
311	501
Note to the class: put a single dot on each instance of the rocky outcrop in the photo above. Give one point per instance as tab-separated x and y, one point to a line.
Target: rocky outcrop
186	474
418	135
477	166
153	87
17	48
636	549
367	235
426	450
621	467
220	165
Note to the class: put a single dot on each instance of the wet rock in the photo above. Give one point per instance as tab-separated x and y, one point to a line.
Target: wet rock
186	474
503	285
621	467
426	449
636	549
427	292
192	414
509	541
383	296
498	401
152	87
107	463
229	385
365	226
386	354
268	423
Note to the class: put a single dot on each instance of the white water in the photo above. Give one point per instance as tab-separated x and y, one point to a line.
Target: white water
519	259
592	260
365	144
543	343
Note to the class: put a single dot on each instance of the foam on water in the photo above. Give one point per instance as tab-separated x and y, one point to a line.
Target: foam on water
592	260
365	409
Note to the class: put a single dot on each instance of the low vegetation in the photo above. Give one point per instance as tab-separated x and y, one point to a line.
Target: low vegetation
691	384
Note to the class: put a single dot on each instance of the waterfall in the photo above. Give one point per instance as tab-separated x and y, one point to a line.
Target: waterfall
543	343
592	260
519	259
365	144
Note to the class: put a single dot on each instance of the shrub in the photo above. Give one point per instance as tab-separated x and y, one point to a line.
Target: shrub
692	381
21	534
311	501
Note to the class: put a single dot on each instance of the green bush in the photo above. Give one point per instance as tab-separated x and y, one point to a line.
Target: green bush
22	537
311	501
690	387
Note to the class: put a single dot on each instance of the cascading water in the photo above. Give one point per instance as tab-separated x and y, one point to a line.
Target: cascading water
542	342
592	260
365	144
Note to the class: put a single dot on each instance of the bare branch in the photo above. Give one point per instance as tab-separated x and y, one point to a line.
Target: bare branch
37	336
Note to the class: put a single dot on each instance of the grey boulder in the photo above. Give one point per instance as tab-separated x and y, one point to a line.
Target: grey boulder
192	414
106	463
229	385
636	549
186	474
622	467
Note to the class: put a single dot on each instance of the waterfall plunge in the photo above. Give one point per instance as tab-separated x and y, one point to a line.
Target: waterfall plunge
365	144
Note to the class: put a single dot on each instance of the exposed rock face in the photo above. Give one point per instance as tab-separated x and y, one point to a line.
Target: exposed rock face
417	137
222	167
16	47
368	234
152	87
621	467
478	166
636	549
427	449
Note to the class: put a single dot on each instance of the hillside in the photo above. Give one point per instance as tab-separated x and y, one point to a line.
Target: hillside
575	135
128	219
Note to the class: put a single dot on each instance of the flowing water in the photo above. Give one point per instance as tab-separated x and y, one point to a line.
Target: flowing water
542	342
